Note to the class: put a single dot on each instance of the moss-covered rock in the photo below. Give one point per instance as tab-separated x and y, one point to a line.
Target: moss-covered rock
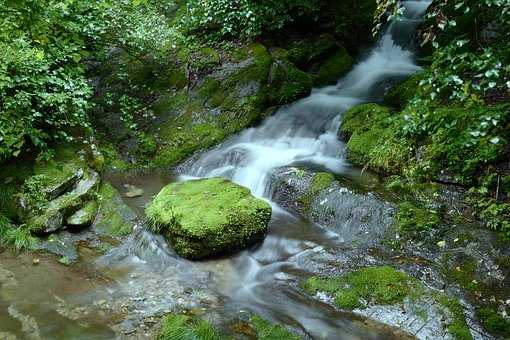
51	216
114	217
320	181
372	138
83	217
288	83
334	67
208	217
371	285
399	95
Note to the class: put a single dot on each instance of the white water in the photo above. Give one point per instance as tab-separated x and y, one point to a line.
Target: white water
305	132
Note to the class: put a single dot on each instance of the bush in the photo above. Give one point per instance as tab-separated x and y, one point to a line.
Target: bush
244	18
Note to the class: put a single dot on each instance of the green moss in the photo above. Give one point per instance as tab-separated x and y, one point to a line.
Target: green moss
503	262
412	220
401	94
204	59
373	140
494	322
85	216
63	165
113	219
320	181
170	104
184	327
191	127
465	274
268	331
113	160
334	67
371	285
305	52
147	145
457	325
182	138
288	83
207	217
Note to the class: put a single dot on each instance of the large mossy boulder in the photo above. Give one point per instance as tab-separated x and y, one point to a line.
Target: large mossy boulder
208	217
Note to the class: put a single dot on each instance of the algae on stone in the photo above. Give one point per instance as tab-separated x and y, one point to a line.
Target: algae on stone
83	217
114	217
371	285
372	138
208	217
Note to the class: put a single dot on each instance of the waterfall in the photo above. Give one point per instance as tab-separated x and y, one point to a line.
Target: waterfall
305	132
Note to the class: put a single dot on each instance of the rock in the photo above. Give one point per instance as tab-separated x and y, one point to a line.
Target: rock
56	212
354	216
83	217
204	218
63	186
133	191
114	217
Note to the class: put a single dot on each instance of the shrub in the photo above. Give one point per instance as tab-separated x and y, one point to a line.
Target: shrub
244	18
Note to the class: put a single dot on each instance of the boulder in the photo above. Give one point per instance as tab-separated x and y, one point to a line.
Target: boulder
208	217
52	217
83	217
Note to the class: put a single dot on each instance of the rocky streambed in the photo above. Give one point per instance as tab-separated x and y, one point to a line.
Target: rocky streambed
93	283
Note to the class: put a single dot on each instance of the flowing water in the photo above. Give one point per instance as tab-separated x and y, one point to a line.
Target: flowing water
265	279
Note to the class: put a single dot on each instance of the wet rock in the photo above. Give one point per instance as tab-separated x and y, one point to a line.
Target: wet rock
63	244
52	217
114	217
65	185
203	218
353	216
83	217
133	191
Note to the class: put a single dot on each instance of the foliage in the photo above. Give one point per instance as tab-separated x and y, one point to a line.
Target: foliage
33	192
17	236
45	96
244	18
268	331
494	322
43	90
183	327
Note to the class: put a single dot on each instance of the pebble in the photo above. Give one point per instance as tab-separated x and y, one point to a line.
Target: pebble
441	244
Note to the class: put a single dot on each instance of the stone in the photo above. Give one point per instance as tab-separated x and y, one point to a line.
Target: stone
83	217
208	217
52	218
133	191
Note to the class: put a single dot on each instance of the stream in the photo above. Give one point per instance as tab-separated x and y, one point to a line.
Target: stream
143	277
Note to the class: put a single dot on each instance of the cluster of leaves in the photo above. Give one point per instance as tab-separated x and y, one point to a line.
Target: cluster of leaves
43	90
19	237
471	42
44	47
244	18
